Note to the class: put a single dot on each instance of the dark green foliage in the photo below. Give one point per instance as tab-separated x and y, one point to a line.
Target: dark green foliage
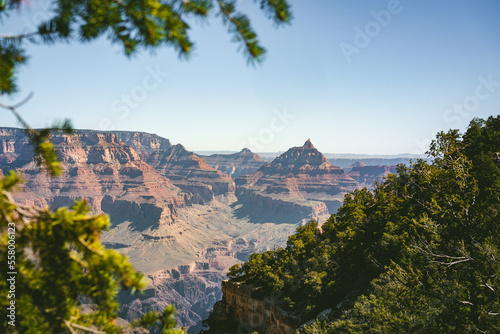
10	57
134	24
419	254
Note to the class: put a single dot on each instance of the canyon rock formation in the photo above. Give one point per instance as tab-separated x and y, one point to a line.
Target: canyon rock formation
236	164
191	173
299	183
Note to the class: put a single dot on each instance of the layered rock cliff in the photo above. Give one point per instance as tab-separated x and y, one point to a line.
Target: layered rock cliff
190	173
300	182
237	164
104	171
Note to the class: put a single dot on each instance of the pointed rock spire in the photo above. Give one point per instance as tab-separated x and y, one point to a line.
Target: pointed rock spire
308	144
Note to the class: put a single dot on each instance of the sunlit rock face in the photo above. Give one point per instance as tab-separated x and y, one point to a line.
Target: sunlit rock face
175	217
101	169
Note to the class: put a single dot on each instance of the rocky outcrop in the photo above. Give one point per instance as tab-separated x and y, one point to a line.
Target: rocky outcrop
190	173
366	176
246	314
142	142
104	171
237	164
300	182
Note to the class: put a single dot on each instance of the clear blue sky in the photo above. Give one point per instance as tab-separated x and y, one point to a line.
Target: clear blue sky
396	88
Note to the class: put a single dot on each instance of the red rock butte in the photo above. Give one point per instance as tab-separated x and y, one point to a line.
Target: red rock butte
300	181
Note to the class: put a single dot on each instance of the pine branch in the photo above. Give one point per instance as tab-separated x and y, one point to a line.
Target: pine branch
16	114
242	31
20	36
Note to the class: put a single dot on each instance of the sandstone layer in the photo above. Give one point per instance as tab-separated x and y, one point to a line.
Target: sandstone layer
12	143
175	217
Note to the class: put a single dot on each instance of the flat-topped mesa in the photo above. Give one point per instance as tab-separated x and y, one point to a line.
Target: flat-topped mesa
241	163
108	174
191	173
304	159
300	182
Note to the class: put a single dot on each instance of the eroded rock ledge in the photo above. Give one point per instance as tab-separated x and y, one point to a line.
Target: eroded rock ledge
248	314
